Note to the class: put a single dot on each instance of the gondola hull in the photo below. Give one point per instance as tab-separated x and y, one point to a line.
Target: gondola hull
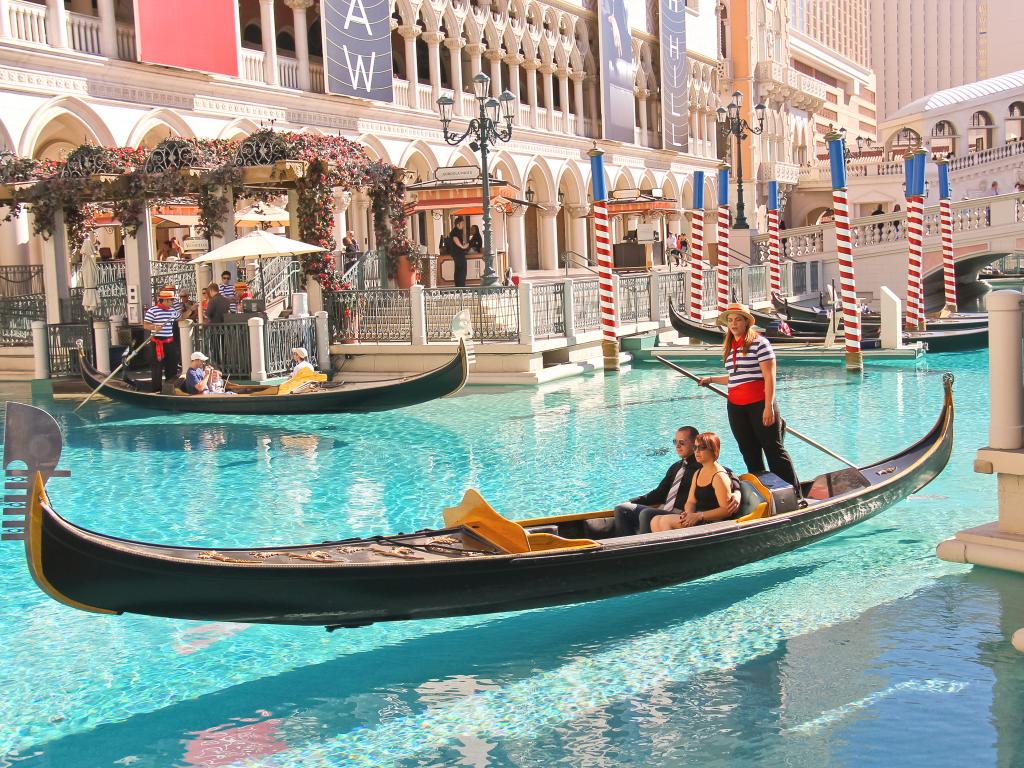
351	398
352	583
811	319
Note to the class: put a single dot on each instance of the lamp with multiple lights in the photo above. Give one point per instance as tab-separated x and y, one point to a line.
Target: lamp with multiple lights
730	122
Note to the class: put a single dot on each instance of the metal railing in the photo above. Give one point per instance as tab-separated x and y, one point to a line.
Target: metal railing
369	316
586	310
548	310
572	259
757	284
634	298
21	281
494	312
364	271
276	278
62	346
175	273
281	336
736	284
671	286
799	277
16	316
227	346
710	297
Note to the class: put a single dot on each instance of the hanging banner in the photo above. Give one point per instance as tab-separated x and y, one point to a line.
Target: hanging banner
357	48
675	110
618	105
189	34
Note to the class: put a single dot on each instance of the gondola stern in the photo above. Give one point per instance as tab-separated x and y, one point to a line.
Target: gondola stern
39	508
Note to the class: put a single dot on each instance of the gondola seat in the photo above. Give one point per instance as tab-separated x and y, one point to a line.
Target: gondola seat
755	499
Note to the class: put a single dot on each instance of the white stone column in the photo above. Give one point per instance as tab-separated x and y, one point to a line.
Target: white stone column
526	332
139	251
547	71
547	231
227	224
577	229
323	341
360	206
301	27
434	40
1006	422
454	46
408	34
494	56
563	96
592	109
5	19
293	214
517	241
257	355
341	203
56	24
577	92
531	89
269	28
475	51
101	333
514	60
108	28
417	315
55	268
642	97
186	348
40	350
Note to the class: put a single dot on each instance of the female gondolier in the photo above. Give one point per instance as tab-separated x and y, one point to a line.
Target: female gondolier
753	414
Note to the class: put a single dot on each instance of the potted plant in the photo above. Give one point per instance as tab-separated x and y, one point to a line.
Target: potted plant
403	260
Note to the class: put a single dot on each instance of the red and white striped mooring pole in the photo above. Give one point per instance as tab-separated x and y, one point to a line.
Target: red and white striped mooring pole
946	226
603	249
724	224
697	249
844	246
774	242
914	164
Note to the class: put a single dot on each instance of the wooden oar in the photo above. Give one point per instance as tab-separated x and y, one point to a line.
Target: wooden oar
114	372
788	428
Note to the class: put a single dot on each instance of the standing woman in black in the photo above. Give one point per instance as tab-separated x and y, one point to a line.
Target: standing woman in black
458	248
753	413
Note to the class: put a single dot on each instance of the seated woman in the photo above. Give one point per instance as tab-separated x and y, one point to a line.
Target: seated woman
301	359
216	385
708	501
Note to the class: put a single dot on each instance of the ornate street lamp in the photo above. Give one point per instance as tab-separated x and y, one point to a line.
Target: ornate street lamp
730	122
484	131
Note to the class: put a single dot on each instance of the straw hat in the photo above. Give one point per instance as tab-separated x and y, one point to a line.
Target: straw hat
165	294
735	309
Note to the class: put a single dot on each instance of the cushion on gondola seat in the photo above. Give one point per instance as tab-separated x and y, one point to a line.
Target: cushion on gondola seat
755	499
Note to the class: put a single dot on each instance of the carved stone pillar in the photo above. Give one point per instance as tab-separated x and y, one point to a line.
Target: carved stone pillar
592	101
56	24
563	97
268	26
434	40
475	51
549	100
494	56
514	60
108	26
454	45
577	92
301	40
641	95
577	228
516	234
412	74
547	231
531	89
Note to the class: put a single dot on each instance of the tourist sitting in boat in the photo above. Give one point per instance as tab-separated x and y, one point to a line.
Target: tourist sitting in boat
669	498
217	385
710	499
300	357
197	377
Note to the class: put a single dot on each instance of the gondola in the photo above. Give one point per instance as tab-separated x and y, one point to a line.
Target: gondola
477	562
813	319
956	340
311	397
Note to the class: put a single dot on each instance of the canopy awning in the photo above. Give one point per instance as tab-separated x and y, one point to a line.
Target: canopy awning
175	220
463	199
641	204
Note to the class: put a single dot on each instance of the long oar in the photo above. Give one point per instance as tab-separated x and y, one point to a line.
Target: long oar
114	372
788	428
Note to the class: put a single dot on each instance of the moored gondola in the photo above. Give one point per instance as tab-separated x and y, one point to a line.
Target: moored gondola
812	319
477	562
311	397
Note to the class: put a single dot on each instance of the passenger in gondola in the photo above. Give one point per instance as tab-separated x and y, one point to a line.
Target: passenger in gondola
753	412
300	359
670	496
710	498
198	375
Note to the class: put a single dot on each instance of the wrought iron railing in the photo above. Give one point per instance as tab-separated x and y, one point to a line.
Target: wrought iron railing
62	346
369	316
799	277
21	281
494	312
634	298
172	273
281	336
227	346
757	284
276	278
710	288
672	286
16	316
364	271
736	284
548	310
586	310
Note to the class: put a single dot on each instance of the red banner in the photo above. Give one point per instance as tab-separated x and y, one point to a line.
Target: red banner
190	34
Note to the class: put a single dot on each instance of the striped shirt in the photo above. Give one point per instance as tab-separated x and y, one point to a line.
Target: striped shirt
228	292
157	315
746	382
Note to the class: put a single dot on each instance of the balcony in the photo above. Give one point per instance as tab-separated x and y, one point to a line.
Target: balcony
784	173
778	83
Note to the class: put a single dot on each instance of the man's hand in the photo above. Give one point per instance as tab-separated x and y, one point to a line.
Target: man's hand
733	505
689	519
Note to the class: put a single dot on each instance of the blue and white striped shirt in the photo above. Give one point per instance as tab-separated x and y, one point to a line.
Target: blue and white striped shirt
157	315
745	367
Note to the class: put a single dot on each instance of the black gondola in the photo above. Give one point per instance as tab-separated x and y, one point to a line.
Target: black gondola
479	562
814	319
956	340
314	397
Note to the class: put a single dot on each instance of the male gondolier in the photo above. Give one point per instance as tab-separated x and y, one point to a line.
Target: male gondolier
159	321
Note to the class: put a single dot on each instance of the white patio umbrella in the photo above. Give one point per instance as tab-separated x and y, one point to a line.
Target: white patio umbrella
90	278
258	245
263	216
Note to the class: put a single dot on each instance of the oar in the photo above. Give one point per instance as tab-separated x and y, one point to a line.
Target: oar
788	428
114	372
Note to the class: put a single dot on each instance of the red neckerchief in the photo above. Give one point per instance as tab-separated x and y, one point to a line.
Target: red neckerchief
736	344
159	343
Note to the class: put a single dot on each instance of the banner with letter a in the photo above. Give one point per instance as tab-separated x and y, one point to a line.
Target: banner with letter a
357	48
189	34
675	110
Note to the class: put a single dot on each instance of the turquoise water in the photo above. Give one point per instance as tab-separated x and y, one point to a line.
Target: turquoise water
862	650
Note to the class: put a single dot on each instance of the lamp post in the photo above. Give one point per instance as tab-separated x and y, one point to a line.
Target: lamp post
730	122
861	143
484	130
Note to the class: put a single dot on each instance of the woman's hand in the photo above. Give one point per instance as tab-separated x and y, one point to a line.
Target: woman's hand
768	418
689	519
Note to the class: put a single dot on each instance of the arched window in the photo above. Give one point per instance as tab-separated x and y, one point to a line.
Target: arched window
904	140
252	36
944	138
982	132
285	42
316	40
1015	122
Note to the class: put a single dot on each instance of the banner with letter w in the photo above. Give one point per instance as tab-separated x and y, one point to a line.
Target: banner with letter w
357	48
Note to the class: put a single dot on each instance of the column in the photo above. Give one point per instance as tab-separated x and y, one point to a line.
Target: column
108	27
228	222
267	24
577	91
642	96
454	45
549	100
408	34
577	228
592	109
56	24
341	203
301	40
357	221
293	214
434	54
547	231
475	51
514	60
563	96
55	268
531	89
5	19
139	251
257	355
517	241
494	56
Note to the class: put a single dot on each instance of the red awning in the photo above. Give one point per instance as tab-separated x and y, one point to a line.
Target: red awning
460	198
639	205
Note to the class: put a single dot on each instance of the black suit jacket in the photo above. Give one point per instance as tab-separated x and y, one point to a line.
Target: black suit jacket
659	495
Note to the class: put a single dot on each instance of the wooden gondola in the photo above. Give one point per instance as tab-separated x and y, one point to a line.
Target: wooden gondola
309	397
955	340
813	319
477	562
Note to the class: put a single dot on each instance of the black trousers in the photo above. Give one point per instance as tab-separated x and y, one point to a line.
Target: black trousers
755	439
460	270
166	368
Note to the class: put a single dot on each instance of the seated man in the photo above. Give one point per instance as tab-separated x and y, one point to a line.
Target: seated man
197	377
669	498
300	359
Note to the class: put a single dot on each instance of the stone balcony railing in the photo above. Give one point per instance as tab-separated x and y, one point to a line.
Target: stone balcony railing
777	82
784	173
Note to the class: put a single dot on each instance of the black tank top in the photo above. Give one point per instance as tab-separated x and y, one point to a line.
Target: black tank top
705	495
